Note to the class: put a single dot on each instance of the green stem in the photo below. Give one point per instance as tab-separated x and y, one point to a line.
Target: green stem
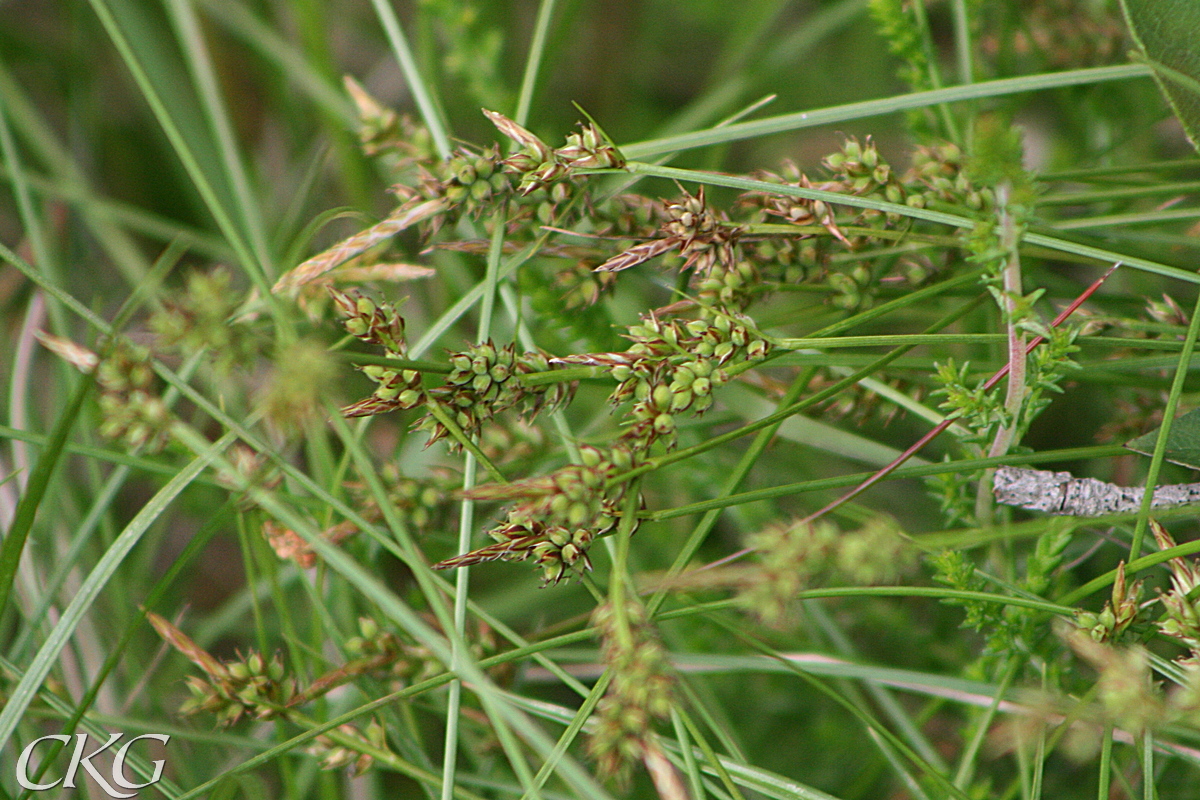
1106	746
1160	444
459	435
466	530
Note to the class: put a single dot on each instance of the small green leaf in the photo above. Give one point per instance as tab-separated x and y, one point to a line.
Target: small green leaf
1166	33
1183	441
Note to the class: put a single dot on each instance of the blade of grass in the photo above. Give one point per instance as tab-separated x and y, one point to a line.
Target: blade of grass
1105	767
1164	432
28	122
887	105
238	20
199	63
866	720
412	76
578	720
412	690
533	59
213	196
119	650
35	492
762	438
988	384
23	693
31	222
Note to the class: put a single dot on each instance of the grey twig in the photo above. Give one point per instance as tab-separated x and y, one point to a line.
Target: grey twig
1062	493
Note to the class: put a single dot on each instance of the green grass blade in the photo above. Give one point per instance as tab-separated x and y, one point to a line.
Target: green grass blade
23	693
35	491
888	105
412	76
159	78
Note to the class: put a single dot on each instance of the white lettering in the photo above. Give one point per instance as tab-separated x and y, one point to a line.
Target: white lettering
23	764
79	759
119	763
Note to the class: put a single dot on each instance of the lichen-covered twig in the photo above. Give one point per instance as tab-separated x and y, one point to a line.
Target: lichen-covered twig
1062	493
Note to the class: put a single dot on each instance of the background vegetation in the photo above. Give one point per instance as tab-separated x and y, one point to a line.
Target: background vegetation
223	507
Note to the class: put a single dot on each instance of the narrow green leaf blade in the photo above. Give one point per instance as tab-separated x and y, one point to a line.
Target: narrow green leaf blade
35	490
1183	441
1168	33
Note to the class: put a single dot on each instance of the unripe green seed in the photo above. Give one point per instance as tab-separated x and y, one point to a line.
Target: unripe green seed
577	513
590	456
480	190
662	396
684	375
465	173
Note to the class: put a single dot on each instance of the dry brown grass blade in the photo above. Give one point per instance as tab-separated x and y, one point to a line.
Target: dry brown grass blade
403	217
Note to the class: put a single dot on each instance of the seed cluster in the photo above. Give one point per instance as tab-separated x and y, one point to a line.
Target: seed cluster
198	318
796	555
422	503
380	325
641	691
557	516
857	169
132	411
673	366
538	166
468	182
1182	619
249	685
486	381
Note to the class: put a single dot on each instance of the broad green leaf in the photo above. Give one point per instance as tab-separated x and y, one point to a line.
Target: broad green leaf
1183	441
1168	34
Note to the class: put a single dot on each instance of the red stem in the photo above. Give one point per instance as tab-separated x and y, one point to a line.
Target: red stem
941	426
